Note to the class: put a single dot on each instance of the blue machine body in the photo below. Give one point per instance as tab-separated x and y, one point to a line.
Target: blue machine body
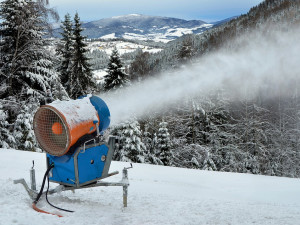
87	163
81	167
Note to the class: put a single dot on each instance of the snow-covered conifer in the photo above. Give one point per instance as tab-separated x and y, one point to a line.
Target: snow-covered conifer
195	123
115	78
23	130
7	140
26	65
147	139
65	50
155	144
140	68
131	148
194	156
81	79
164	144
186	50
150	144
20	35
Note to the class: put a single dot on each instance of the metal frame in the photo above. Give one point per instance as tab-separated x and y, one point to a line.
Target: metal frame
124	182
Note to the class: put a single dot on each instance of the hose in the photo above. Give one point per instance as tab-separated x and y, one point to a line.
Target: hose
42	211
41	192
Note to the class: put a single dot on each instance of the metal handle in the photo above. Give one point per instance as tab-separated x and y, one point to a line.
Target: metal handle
83	150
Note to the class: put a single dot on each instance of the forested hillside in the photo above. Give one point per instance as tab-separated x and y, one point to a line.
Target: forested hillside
254	132
214	131
267	15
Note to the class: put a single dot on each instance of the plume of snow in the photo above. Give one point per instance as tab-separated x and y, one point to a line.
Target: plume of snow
268	60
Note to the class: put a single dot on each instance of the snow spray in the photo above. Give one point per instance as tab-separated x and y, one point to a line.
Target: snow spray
253	62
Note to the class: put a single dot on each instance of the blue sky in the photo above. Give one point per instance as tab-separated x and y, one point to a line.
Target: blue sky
207	10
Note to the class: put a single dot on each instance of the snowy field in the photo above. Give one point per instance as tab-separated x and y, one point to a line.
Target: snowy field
157	195
122	46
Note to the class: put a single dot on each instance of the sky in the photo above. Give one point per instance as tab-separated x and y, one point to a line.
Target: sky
206	10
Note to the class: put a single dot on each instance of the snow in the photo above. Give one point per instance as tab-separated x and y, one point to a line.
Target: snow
122	46
157	195
126	16
169	34
99	75
76	111
164	34
133	36
109	36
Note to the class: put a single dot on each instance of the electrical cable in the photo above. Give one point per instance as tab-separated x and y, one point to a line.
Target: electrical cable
42	211
66	210
43	184
41	192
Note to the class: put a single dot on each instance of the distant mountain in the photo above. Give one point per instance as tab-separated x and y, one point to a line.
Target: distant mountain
142	27
281	15
221	22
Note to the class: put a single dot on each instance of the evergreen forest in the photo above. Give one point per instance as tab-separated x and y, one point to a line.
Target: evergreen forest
258	135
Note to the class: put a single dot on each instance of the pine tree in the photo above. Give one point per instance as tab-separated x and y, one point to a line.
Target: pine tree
115	78
252	139
150	144
186	51
131	148
23	130
65	50
194	156
140	68
218	133
7	140
26	66
164	144
194	122
155	144
19	34
81	80
147	139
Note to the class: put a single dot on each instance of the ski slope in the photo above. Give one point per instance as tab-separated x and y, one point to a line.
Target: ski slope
157	195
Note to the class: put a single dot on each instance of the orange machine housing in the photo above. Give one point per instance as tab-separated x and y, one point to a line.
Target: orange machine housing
60	125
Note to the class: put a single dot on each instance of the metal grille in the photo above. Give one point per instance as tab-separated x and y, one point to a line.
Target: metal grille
50	131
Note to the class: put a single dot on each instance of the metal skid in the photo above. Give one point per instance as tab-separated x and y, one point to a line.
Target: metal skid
122	183
76	184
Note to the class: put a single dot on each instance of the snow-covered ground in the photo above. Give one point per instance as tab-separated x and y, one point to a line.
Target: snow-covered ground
157	195
171	34
122	46
164	34
99	75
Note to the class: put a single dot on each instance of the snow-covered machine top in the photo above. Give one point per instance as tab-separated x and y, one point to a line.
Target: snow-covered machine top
59	125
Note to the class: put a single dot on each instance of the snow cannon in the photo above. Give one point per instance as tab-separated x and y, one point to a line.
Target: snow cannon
71	134
61	125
